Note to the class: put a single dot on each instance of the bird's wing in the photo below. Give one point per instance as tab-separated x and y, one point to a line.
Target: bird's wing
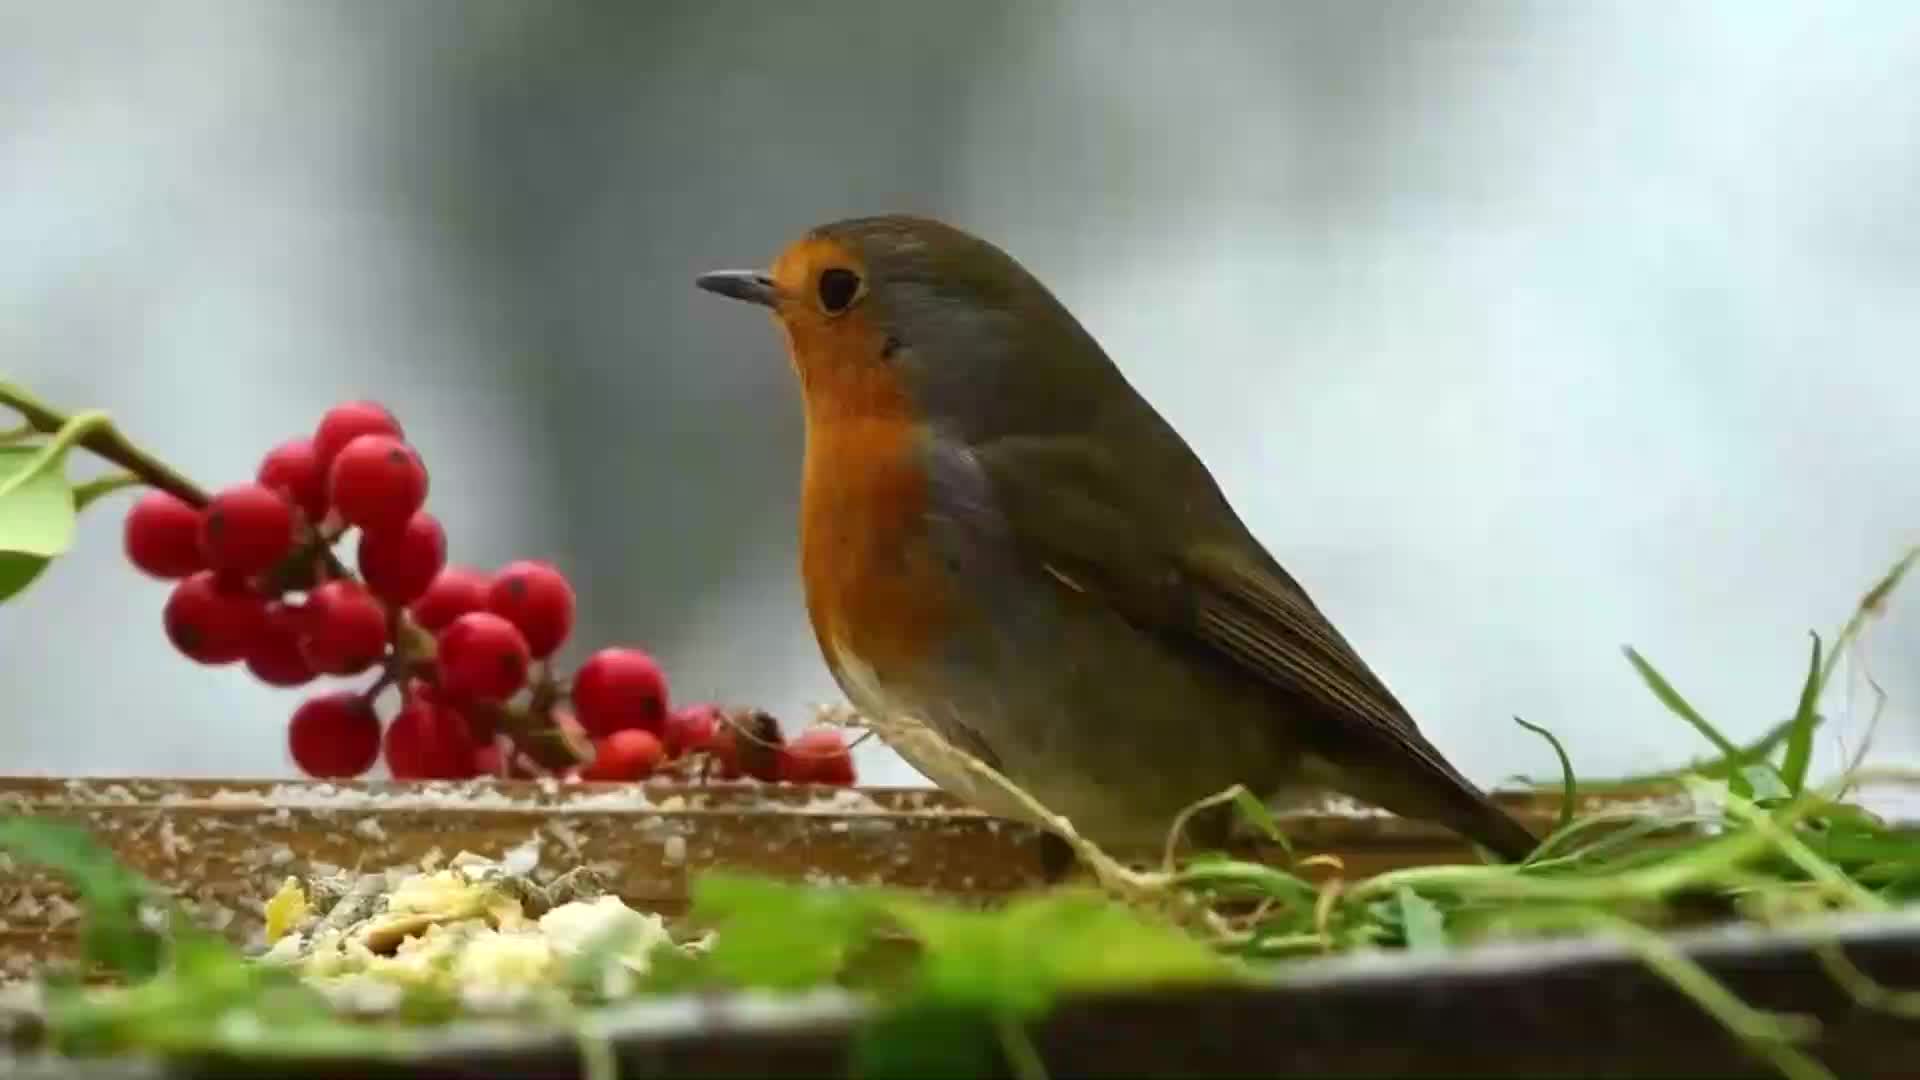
1188	570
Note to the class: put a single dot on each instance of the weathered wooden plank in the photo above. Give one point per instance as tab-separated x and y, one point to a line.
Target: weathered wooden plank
224	846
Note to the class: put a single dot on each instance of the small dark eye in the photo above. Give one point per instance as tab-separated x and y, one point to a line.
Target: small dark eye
837	289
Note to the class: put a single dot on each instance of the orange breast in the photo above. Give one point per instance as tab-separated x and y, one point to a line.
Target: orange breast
874	584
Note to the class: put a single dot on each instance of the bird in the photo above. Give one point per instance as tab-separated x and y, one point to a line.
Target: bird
1001	539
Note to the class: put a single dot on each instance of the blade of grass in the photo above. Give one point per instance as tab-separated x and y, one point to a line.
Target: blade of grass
1421	922
1680	707
1727	766
1864	988
1634	825
1870	606
1817	868
1793	770
1261	817
1245	878
1717	768
1567	787
1703	864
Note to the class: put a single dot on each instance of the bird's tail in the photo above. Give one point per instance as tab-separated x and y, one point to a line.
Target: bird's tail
1485	823
1436	792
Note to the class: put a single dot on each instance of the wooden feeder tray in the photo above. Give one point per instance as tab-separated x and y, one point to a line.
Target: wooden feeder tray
224	846
1584	1008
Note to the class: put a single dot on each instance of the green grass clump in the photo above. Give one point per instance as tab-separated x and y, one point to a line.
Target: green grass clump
1755	841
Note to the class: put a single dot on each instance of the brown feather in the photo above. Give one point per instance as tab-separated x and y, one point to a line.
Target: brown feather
1223	595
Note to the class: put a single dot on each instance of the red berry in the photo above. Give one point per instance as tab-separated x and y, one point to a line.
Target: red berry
399	565
213	620
691	728
274	656
343	629
293	470
429	742
617	689
630	754
454	592
482	656
483	717
163	536
818	755
334	735
535	597
246	530
424	686
377	482
487	760
344	423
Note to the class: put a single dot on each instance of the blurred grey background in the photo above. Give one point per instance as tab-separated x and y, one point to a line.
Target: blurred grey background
1518	331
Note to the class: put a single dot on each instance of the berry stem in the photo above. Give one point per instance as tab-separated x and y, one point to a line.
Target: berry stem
532	734
387	679
412	646
547	691
544	743
105	440
310	563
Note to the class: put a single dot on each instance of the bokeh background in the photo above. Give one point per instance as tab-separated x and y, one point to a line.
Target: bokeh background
1519	331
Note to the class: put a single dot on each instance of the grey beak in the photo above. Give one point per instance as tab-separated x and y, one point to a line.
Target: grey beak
750	285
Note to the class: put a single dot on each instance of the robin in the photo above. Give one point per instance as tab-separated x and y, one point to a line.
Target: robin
1001	539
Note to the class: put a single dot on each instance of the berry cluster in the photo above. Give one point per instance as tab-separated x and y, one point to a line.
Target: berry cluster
257	581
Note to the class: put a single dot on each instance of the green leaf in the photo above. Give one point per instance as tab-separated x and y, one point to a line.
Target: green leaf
188	990
36	505
1421	921
36	514
17	571
1260	816
1793	770
776	936
1678	705
1568	789
114	935
1014	962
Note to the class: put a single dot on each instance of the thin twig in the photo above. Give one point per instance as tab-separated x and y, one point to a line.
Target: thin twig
106	441
1179	828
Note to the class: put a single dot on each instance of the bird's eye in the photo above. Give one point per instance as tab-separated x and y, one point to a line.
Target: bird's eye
838	287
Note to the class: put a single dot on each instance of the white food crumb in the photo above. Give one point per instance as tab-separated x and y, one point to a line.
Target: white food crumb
523	859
